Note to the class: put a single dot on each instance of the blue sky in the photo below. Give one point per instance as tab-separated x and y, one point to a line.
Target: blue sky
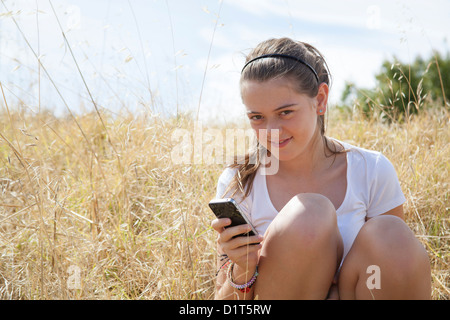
133	51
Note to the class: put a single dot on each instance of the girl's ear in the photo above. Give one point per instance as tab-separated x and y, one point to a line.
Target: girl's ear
322	98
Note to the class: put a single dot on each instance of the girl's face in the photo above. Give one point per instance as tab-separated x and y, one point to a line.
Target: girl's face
274	104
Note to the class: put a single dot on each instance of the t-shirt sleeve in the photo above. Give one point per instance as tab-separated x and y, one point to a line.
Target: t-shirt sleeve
385	192
224	181
222	185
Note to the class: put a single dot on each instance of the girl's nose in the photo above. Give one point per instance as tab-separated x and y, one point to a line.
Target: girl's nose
273	130
269	134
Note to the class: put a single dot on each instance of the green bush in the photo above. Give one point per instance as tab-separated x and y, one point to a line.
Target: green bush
401	89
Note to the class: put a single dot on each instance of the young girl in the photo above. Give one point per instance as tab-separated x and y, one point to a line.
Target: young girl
330	219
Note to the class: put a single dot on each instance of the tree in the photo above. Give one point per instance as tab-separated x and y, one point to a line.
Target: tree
402	89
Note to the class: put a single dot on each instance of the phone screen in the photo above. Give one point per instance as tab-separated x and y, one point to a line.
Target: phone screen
227	209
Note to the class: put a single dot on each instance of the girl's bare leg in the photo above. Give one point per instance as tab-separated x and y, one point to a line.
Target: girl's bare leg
399	263
301	251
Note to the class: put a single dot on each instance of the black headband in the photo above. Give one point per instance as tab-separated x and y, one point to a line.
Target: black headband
278	55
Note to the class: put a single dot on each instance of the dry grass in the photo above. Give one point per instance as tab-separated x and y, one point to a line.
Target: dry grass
111	204
420	151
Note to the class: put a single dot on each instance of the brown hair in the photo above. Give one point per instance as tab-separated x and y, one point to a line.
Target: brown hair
304	81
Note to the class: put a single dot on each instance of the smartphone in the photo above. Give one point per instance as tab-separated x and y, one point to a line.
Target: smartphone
228	208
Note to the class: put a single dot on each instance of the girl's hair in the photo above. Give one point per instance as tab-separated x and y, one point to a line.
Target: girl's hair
304	81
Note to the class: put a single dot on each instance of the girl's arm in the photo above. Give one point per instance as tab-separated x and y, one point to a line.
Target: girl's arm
242	256
224	291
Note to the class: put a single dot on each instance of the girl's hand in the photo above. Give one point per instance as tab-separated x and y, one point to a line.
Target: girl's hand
242	250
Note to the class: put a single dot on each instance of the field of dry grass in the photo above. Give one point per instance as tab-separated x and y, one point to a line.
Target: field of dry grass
95	208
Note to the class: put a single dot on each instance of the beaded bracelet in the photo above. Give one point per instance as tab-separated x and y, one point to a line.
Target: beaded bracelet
224	264
241	287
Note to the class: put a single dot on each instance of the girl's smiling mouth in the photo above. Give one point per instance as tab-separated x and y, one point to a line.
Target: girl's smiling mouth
281	143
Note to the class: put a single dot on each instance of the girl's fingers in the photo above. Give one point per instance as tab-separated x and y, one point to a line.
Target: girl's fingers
242	255
244	250
245	240
229	242
231	232
240	242
220	224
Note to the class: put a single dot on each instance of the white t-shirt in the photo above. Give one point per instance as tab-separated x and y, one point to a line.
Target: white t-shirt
372	189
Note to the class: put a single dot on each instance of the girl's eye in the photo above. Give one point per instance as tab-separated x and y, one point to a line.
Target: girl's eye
285	112
256	117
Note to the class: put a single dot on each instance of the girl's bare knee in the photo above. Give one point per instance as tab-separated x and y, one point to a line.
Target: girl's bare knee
395	242
387	243
303	241
308	221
